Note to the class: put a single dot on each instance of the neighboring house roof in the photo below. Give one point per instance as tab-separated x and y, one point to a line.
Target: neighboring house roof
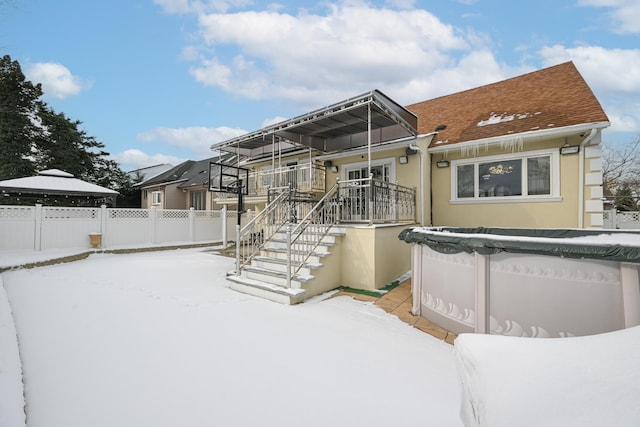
174	174
149	172
550	98
54	181
198	174
190	173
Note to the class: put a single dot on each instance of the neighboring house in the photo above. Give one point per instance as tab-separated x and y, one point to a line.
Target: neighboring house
184	186
162	191
57	188
497	155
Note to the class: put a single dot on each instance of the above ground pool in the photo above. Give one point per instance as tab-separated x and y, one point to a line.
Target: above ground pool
526	282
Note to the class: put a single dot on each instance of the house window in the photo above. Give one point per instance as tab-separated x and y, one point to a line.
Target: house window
518	176
383	170
198	200
156	197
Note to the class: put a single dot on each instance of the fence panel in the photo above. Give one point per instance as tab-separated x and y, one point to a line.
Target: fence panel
172	225
17	231
41	227
613	219
125	227
68	227
207	226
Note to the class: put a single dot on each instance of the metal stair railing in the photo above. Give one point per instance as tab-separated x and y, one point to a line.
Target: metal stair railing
306	235
252	237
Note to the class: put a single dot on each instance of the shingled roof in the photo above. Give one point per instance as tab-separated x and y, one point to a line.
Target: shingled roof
550	98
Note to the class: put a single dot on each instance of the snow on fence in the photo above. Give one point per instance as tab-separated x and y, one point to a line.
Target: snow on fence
44	227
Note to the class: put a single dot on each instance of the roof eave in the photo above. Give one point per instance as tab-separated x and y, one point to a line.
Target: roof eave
524	136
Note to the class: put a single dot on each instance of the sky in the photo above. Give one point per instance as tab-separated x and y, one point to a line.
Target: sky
159	81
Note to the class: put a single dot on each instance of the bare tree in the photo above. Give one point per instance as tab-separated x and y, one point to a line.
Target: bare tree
621	174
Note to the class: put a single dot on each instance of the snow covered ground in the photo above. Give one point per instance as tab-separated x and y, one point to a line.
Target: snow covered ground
158	339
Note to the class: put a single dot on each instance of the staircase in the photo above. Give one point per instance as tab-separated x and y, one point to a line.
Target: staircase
286	260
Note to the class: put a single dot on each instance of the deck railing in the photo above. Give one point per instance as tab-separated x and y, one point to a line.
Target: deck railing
306	177
374	201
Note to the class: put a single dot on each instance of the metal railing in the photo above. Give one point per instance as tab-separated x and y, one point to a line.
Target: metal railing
375	201
306	177
250	239
304	237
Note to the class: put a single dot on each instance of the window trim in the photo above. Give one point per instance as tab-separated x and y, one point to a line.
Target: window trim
391	161
555	196
155	202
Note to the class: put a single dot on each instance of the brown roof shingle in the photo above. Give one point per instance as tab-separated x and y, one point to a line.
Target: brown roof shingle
553	97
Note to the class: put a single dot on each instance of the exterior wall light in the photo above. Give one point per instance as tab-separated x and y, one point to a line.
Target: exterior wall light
442	164
334	169
403	160
570	149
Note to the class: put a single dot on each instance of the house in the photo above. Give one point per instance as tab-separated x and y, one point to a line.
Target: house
524	152
344	180
181	187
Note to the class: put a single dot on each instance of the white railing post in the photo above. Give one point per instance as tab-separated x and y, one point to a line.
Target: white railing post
371	195
152	224
224	226
103	224
192	224
237	249
37	228
288	255
482	293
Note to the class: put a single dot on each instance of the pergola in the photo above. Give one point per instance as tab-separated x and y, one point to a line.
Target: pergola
366	120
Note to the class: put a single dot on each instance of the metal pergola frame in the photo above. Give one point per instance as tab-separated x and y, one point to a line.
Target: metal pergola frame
365	120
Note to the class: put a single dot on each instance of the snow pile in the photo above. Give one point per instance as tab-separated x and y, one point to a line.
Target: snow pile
508	381
11	390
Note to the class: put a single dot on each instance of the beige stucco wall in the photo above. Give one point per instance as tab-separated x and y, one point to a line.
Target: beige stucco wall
563	213
373	257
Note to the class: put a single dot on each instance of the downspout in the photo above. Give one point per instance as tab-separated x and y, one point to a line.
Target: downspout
414	147
581	178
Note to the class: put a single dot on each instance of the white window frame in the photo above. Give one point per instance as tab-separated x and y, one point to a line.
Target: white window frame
202	197
391	161
554	155
156	198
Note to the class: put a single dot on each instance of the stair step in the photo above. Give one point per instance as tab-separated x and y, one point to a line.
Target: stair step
266	287
317	253
282	261
277	274
284	241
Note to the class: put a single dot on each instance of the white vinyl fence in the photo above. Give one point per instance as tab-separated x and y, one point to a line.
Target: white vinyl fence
43	227
621	220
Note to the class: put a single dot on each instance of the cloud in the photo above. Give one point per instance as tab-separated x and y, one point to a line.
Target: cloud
624	14
56	79
314	58
195	140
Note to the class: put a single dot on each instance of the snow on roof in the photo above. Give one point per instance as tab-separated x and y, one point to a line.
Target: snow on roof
54	181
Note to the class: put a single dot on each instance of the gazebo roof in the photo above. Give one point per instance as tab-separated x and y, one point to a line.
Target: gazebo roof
54	181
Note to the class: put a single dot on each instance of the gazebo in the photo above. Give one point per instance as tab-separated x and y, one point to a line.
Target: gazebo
55	187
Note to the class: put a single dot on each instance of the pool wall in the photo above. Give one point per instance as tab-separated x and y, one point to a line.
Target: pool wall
522	294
